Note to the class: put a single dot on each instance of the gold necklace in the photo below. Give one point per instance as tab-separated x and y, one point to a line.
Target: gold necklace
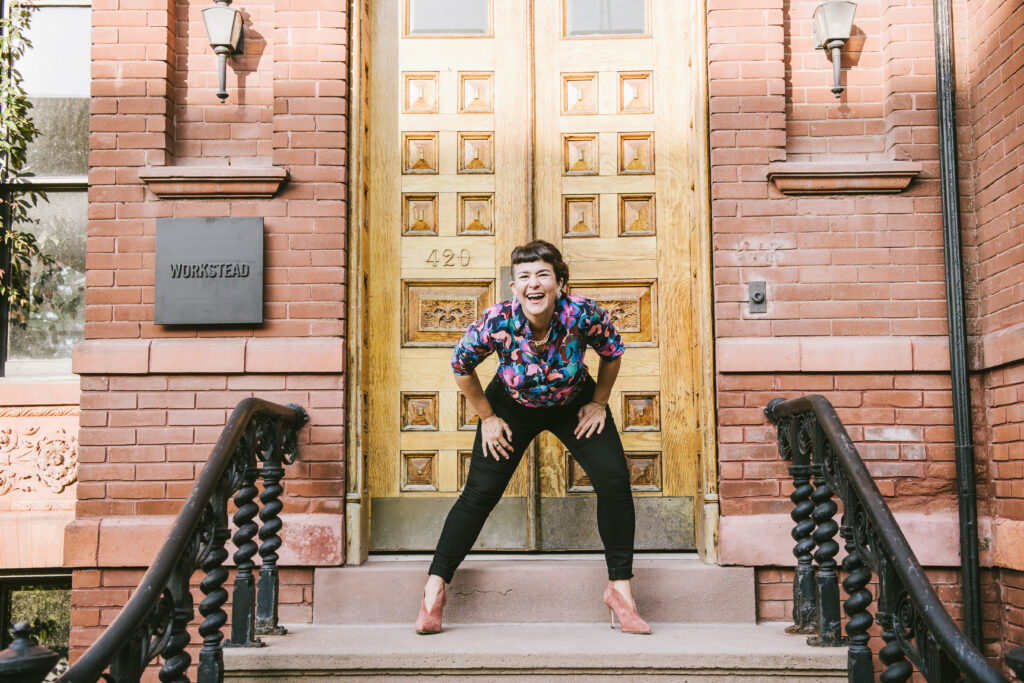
539	345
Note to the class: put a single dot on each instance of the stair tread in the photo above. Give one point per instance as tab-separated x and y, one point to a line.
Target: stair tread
670	589
577	646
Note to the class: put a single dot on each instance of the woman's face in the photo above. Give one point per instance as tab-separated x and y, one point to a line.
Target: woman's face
536	287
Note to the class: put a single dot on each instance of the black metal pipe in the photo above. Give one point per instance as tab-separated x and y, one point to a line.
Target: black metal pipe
967	504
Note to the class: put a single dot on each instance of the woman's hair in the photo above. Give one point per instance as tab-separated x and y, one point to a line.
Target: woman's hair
539	250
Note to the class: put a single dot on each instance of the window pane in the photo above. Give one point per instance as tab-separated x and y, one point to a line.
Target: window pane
55	73
62	148
445	17
605	17
52	330
47	607
57	65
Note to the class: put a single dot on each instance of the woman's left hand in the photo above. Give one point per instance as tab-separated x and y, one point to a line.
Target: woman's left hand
591	420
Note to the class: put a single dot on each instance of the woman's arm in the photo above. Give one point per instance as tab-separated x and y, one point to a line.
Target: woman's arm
592	416
495	432
607	372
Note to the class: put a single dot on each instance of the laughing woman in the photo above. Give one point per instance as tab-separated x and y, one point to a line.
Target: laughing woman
542	384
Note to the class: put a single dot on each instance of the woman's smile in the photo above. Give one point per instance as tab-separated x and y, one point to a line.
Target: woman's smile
536	287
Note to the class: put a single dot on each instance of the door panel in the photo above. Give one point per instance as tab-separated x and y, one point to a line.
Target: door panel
450	198
480	143
609	193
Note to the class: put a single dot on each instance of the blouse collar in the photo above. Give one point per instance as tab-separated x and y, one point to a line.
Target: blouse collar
521	323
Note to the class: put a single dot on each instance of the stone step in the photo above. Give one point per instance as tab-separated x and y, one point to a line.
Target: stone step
536	652
530	589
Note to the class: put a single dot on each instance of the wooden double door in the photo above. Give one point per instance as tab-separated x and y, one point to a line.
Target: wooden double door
491	123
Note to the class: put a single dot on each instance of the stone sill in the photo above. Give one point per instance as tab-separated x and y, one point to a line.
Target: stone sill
182	182
864	354
308	540
46	391
934	538
866	177
228	355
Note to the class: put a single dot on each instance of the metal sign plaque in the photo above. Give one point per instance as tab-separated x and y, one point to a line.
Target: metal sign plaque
209	271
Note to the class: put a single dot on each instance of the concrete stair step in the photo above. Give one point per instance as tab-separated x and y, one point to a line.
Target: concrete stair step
536	652
669	588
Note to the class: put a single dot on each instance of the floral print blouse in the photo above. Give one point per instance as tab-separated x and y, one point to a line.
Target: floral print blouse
552	377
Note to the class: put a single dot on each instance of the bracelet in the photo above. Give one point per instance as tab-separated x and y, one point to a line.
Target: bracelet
598	403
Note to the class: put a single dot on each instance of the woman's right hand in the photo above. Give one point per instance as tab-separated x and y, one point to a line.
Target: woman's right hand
497	437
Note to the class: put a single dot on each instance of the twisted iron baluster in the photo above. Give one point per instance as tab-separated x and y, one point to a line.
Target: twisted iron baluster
805	608
805	590
176	657
267	588
244	595
859	657
897	668
829	625
211	657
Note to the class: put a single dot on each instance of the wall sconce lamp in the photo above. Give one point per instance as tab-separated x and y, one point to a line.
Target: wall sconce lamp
224	31
833	21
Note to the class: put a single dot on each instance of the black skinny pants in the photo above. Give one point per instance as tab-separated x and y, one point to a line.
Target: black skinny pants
601	457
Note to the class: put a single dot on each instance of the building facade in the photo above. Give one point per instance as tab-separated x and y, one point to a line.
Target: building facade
676	152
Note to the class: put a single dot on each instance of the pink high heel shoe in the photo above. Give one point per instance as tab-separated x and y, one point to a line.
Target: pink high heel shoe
429	620
629	620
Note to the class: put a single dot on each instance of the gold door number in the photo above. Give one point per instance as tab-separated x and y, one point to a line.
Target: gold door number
448	258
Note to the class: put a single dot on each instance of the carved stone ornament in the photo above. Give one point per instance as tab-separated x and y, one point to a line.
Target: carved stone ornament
33	459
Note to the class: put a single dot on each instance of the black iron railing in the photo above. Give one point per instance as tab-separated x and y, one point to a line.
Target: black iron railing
917	629
257	442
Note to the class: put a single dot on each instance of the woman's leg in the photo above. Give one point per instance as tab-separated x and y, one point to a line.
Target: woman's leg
485	483
601	456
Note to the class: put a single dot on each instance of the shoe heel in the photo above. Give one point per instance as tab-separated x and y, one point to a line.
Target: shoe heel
611	617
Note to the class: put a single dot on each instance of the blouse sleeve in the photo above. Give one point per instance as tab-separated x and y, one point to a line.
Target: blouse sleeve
602	335
476	344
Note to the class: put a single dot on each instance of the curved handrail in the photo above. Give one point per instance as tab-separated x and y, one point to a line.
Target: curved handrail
91	665
949	637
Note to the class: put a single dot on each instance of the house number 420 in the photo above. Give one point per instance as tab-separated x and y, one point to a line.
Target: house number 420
448	258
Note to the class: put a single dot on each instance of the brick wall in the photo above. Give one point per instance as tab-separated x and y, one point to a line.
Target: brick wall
147	437
815	127
995	84
840	265
900	424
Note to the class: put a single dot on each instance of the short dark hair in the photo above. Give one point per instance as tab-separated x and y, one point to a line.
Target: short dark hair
539	250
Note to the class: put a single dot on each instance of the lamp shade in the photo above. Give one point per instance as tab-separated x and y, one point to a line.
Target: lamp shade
223	25
833	21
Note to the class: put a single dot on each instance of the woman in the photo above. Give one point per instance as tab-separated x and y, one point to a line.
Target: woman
542	384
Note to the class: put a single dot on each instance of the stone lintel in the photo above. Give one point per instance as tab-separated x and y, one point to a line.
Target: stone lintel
830	177
182	182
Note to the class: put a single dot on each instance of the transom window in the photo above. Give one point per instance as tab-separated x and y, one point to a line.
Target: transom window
448	17
605	18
